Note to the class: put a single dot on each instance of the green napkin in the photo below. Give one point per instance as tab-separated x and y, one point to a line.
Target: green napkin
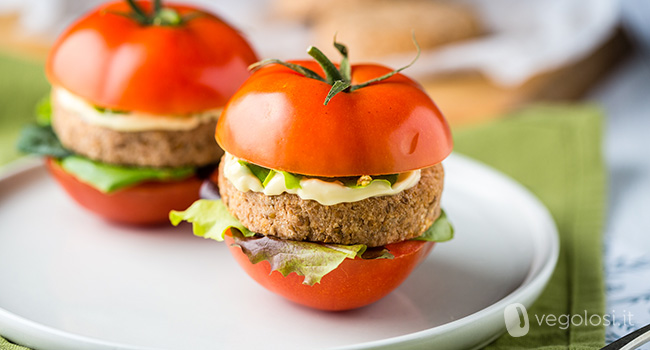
22	85
555	151
5	345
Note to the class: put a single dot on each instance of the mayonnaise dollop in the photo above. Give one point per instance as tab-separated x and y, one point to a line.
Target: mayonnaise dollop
131	121
324	192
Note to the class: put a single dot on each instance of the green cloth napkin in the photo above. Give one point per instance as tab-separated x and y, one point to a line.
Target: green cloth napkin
553	150
22	85
6	345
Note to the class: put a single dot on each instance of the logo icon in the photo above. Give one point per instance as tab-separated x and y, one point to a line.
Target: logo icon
513	316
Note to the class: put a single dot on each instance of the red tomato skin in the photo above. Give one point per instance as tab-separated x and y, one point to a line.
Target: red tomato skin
277	120
114	62
354	284
147	203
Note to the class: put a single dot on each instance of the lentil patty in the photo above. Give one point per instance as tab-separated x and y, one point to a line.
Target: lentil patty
374	221
156	148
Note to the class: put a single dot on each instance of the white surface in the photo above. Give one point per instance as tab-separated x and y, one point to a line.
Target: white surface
627	150
522	38
72	281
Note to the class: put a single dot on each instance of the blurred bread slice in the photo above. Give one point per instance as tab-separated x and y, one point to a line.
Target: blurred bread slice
376	28
385	27
309	10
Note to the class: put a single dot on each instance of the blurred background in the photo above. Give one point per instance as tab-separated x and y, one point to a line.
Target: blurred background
480	57
481	60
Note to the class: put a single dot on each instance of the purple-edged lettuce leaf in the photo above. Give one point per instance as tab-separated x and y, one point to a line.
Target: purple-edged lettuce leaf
211	219
312	260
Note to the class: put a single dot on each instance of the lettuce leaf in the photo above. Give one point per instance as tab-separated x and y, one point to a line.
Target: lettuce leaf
40	138
42	141
292	181
44	111
261	173
211	219
109	111
311	260
265	175
108	178
353	182
440	231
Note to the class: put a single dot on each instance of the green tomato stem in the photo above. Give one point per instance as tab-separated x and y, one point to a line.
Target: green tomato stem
167	17
339	79
331	72
161	16
344	66
138	13
337	87
295	67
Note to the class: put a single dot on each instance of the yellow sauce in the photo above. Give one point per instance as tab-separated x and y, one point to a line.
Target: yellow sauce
131	121
324	192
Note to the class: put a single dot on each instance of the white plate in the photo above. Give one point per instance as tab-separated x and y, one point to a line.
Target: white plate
69	280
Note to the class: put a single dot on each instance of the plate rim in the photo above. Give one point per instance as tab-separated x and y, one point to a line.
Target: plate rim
531	286
526	293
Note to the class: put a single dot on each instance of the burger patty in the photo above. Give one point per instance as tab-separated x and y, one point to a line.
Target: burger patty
156	148
374	221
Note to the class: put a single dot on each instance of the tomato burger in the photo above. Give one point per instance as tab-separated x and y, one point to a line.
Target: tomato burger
331	182
137	88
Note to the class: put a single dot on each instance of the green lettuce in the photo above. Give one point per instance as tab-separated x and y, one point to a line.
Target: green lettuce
292	181
44	111
265	175
440	231
108	178
260	172
353	182
41	140
211	219
109	111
